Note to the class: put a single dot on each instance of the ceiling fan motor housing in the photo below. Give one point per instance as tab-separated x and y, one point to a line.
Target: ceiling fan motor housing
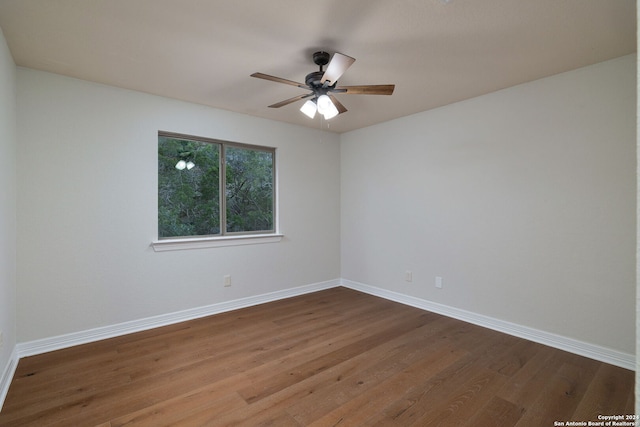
313	79
321	58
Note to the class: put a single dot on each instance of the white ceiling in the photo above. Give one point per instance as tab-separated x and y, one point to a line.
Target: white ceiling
435	51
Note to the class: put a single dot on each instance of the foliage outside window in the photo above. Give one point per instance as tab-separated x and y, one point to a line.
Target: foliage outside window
214	188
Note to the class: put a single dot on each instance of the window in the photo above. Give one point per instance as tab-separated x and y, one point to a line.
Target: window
211	188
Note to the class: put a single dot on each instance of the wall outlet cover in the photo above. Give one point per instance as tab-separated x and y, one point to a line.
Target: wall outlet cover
408	276
438	282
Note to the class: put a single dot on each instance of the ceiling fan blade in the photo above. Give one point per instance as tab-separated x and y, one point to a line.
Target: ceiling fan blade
338	65
366	90
277	79
290	100
341	108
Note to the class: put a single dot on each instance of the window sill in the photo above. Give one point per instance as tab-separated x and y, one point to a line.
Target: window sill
214	242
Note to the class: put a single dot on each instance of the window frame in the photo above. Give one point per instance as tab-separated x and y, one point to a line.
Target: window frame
224	238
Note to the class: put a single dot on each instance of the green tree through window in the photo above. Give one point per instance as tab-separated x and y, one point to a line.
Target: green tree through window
191	172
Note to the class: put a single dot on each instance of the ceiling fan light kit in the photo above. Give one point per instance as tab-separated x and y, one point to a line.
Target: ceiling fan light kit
323	84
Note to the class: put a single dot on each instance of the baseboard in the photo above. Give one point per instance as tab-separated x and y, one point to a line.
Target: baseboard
7	376
45	345
603	354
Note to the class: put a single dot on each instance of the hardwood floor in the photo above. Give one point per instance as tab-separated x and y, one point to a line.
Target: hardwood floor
336	357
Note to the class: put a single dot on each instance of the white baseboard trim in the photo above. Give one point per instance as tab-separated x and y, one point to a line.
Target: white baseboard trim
45	345
592	351
7	376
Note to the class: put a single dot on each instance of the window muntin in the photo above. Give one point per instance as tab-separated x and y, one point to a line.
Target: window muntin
192	173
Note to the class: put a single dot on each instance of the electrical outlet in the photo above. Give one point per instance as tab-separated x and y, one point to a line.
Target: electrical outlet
408	276
227	280
438	282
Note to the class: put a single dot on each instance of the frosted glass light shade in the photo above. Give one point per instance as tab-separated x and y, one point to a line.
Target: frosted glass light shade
330	112
309	109
324	103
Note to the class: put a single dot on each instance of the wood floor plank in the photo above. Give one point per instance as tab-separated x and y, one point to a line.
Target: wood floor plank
334	357
497	413
427	397
365	408
559	399
196	408
516	358
524	387
464	402
298	373
374	367
608	391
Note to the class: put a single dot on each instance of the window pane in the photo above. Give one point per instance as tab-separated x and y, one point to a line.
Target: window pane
188	188
249	189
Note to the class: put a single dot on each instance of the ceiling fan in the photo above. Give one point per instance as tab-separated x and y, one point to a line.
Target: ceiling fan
323	84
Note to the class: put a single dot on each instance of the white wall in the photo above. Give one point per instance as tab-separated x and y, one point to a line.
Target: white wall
523	200
8	141
87	206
